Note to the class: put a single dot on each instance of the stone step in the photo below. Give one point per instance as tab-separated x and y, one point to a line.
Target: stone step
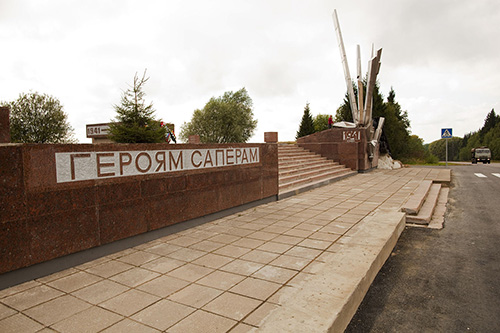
306	164
287	153
426	211
299	187
416	200
298	181
437	220
300	160
302	172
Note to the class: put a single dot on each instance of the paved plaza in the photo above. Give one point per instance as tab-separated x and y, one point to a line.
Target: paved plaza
239	273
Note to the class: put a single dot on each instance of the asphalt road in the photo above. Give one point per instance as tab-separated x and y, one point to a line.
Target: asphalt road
444	280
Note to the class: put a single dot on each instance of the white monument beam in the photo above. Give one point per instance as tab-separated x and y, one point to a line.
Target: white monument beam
350	89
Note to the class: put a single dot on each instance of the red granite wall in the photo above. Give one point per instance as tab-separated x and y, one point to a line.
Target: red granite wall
346	146
42	219
4	124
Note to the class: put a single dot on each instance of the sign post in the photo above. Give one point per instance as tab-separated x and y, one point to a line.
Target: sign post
446	133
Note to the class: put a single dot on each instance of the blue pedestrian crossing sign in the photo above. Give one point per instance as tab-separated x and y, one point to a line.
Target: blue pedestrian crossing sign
446	133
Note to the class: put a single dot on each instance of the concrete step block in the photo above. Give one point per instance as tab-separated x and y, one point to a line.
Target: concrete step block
416	200
424	215
437	221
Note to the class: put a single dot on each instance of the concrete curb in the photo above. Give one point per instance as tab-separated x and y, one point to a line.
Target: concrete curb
327	301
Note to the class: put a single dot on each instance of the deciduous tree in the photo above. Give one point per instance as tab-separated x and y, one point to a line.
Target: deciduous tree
321	122
225	119
38	118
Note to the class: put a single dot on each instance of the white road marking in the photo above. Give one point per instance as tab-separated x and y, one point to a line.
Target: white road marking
480	175
496	174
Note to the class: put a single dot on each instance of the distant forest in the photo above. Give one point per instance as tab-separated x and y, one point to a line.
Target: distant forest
459	149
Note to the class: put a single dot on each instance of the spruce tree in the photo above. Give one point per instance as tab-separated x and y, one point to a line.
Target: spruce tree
135	121
307	124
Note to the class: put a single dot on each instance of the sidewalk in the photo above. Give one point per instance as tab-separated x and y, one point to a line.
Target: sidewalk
296	265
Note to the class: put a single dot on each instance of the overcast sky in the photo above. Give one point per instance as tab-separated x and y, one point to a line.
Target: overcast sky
442	57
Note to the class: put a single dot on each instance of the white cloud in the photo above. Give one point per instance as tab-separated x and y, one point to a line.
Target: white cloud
439	56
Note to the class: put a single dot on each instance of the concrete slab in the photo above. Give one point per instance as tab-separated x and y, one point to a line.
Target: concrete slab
327	300
437	221
424	215
416	200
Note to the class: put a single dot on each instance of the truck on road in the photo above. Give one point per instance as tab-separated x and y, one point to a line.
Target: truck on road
482	154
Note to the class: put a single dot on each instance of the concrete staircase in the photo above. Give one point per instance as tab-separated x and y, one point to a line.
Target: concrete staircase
427	204
301	170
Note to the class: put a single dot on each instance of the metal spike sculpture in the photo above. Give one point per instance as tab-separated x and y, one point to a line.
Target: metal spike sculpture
361	112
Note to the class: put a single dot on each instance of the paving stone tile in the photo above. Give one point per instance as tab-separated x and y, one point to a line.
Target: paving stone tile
207	246
163	286
282	295
233	306
298	233
93	319
195	295
256	317
285	239
31	297
163	314
190	272
57	309
275	247
129	326
224	238
275	274
5	311
256	288
303	252
275	229
325	236
248	243
57	275
243	328
335	229
120	254
19	323
163	249
299	279
221	280
100	291
163	265
134	277
19	288
239	232
109	268
259	256
203	322
186	254
184	241
232	251
290	262
243	267
212	260
262	235
315	244
74	282
138	258
92	263
129	302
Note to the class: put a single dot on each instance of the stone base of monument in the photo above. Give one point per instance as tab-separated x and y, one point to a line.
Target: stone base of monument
350	147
